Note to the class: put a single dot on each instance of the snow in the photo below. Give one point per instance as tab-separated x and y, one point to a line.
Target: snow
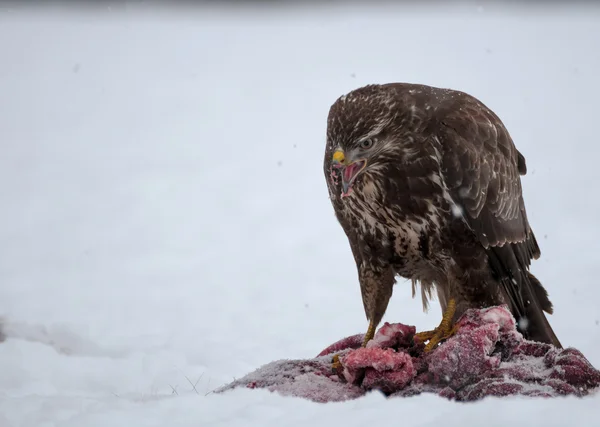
165	220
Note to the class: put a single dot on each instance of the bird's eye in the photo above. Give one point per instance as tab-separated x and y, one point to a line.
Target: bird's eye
367	143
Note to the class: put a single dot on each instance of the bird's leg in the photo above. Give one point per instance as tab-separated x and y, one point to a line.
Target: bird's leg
376	289
370	333
444	331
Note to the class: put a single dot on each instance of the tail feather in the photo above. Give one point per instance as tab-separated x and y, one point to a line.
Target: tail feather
540	293
527	298
536	326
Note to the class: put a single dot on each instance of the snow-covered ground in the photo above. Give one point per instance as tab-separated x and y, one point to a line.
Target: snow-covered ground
164	221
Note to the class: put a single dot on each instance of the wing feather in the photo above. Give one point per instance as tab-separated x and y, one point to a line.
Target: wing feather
482	168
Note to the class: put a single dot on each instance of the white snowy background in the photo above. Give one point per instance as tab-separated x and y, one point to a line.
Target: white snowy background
164	220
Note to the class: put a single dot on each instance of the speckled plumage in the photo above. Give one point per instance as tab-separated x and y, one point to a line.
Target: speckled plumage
439	202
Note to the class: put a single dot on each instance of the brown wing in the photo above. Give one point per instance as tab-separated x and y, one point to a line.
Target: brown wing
482	169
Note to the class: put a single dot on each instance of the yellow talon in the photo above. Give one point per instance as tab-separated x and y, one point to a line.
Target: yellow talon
444	331
370	333
335	362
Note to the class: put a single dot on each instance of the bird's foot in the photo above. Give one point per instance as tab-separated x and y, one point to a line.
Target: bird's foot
435	337
336	365
444	331
335	361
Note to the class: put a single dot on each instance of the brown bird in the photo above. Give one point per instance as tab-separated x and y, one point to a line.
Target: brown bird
426	184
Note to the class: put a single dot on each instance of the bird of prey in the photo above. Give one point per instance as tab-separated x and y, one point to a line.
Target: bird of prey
426	184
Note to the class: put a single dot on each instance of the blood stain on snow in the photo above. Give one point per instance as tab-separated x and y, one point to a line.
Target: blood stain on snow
486	357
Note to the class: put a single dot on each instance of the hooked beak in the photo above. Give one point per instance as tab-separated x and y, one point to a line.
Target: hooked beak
350	169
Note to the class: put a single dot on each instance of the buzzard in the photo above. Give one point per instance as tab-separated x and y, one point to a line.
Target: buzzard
426	184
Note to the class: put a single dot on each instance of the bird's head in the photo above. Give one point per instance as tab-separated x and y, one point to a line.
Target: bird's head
351	161
365	133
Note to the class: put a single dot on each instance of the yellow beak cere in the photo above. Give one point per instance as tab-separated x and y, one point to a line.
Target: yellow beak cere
338	156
